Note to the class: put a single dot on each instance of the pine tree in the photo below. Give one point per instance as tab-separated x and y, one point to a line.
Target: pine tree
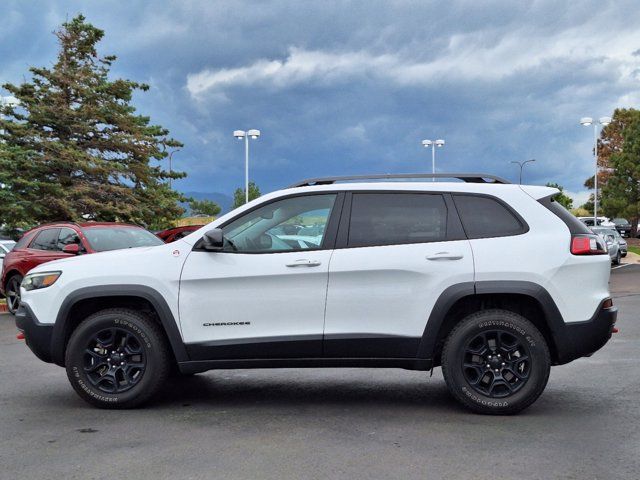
75	149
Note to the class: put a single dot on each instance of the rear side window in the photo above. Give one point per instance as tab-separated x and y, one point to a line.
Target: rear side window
396	218
486	217
46	240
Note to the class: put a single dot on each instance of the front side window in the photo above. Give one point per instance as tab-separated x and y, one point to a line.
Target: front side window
46	240
485	217
68	236
291	224
396	218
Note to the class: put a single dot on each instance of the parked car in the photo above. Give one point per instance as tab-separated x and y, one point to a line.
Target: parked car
623	226
494	282
602	222
614	243
176	233
64	240
5	247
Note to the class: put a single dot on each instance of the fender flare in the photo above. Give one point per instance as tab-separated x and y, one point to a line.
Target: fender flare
553	317
156	300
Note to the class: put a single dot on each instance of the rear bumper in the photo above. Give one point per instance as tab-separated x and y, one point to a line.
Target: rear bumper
581	339
37	335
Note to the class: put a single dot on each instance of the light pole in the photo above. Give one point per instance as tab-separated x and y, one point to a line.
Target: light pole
433	144
604	121
522	164
240	134
170	165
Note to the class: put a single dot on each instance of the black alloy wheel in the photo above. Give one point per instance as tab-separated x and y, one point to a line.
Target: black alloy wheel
114	360
496	363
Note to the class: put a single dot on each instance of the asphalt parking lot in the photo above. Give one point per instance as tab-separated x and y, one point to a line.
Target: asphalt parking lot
328	423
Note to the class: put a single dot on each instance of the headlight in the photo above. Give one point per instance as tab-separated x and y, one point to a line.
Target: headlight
35	281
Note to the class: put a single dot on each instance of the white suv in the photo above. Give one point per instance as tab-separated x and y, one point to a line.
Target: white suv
492	281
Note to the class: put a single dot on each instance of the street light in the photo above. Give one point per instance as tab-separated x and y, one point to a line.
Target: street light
604	121
433	144
170	166
522	164
241	134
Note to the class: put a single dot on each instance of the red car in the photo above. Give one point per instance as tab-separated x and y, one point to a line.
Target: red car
176	233
61	240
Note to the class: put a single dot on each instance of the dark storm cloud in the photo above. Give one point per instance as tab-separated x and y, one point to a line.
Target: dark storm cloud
352	87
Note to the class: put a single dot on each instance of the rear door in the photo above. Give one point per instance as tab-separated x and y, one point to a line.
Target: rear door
396	253
44	247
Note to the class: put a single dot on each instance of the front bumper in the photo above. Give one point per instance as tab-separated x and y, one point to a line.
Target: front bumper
582	339
37	335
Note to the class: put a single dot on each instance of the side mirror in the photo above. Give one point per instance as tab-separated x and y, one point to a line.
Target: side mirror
213	240
72	248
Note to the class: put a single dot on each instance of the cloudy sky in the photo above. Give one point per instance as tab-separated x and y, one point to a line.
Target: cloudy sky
353	87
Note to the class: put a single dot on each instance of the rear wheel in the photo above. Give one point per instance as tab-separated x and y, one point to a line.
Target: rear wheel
496	362
117	358
12	291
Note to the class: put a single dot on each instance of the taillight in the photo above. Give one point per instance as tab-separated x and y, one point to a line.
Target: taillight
587	245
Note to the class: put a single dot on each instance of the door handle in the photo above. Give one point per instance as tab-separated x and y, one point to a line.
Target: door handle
445	256
303	262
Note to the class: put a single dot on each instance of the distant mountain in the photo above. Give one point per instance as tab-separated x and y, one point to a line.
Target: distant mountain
225	201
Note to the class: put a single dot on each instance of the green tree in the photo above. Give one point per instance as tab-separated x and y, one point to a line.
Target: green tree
565	200
204	207
610	142
74	148
239	195
621	193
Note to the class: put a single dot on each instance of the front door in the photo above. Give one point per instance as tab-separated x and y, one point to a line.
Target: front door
264	295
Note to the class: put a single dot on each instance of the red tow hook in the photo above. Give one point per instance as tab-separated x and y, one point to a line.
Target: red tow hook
614	330
20	335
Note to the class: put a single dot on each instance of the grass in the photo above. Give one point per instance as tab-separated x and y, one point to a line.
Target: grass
634	249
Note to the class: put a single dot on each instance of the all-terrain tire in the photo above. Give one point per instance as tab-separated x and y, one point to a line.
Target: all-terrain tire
474	384
109	372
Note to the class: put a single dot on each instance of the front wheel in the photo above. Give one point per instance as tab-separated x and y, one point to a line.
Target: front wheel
12	291
496	362
117	358
618	259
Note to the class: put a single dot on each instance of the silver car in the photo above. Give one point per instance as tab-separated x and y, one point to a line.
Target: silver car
5	247
616	245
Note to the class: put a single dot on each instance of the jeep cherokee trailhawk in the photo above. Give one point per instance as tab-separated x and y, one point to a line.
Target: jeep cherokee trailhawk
492	281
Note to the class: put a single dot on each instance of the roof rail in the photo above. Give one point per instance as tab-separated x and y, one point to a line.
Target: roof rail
465	177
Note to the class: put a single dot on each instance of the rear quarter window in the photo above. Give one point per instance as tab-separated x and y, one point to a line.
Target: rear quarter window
24	241
574	225
487	217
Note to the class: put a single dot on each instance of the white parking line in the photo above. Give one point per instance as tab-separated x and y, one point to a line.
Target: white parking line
623	265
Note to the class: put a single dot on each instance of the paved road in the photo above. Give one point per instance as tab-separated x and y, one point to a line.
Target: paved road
346	423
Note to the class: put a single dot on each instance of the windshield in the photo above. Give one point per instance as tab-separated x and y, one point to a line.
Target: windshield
620	221
103	239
